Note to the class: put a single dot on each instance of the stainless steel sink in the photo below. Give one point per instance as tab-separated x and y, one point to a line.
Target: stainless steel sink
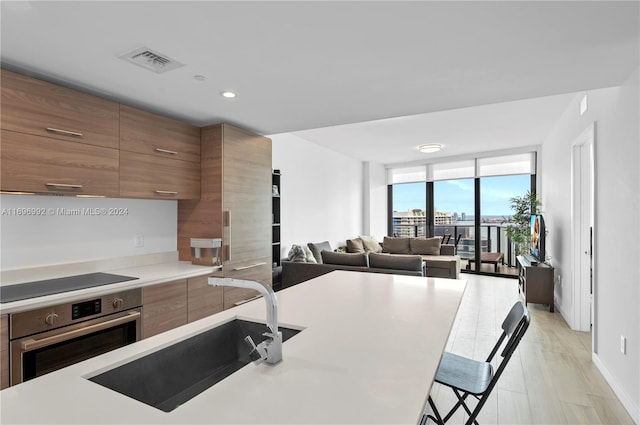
169	377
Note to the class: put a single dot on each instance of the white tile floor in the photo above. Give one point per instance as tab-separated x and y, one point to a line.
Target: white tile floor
550	378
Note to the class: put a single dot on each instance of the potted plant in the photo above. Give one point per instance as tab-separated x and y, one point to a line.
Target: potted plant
519	231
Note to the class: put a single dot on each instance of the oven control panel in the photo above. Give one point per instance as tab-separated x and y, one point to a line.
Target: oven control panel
86	308
55	316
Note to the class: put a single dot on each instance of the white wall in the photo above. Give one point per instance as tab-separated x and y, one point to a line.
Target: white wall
35	240
616	112
375	200
322	193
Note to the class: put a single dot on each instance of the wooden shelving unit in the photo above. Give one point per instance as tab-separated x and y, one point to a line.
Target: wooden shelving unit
275	225
276	242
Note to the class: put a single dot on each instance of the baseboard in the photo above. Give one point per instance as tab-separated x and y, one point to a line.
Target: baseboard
558	307
630	405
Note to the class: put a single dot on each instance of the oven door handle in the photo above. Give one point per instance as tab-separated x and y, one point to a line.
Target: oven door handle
34	344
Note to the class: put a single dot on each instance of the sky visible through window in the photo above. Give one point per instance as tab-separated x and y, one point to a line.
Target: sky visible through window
457	195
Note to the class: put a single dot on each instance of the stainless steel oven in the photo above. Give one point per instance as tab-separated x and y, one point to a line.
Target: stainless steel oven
50	338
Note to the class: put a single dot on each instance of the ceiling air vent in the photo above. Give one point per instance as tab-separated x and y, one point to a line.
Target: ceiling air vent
151	60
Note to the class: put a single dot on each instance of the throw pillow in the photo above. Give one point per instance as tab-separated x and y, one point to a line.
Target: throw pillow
355	246
316	249
296	254
309	255
396	245
344	259
429	246
370	244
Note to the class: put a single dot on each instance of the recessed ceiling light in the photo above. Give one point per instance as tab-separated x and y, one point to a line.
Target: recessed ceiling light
199	77
430	148
228	94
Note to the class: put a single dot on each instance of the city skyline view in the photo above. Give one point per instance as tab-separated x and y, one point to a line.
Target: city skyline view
457	196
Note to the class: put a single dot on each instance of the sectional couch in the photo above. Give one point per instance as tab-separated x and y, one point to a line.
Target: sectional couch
440	260
297	272
394	256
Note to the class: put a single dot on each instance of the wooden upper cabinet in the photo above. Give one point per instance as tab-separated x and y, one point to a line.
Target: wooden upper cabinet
147	176
151	134
40	108
44	165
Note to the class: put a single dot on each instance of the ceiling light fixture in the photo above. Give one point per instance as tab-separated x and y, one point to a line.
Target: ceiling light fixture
228	94
430	148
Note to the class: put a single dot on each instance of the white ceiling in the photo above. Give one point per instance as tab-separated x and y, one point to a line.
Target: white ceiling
299	65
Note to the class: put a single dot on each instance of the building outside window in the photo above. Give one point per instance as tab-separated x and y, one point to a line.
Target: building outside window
443	199
409	209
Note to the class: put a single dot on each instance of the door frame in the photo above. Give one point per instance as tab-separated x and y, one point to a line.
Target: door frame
584	290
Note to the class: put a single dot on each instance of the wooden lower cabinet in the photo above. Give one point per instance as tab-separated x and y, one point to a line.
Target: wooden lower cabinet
164	307
203	300
254	270
4	351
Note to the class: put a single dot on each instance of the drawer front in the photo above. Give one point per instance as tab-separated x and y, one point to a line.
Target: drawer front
164	307
235	296
152	177
203	300
45	165
37	107
250	270
151	134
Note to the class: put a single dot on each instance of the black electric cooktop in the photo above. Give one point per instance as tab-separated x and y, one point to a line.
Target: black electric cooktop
40	288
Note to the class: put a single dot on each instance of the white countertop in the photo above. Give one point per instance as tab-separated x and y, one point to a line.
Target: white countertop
166	268
368	353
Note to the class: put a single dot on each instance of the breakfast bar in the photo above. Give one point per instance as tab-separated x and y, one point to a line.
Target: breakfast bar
367	352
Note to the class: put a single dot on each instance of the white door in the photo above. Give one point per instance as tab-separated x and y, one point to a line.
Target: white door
583	228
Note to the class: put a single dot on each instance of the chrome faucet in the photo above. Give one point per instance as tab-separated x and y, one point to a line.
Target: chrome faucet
269	350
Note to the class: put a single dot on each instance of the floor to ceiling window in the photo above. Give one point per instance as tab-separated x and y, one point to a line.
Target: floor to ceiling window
466	203
495	216
409	209
454	206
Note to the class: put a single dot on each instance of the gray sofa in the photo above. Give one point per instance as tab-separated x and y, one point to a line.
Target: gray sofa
297	272
440	260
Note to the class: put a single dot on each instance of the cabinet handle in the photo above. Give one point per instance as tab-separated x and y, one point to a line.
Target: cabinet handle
64	132
226	222
166	192
166	151
33	344
249	267
67	186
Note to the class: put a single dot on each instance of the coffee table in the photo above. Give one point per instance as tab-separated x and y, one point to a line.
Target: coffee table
488	257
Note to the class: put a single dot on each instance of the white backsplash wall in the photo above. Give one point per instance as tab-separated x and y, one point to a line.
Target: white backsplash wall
41	230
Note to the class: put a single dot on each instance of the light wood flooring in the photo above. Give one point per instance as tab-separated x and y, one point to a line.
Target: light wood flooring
550	378
489	268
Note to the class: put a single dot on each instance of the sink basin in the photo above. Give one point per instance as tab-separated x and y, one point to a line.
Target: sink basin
169	377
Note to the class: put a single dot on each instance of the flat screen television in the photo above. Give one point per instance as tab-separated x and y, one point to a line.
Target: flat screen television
537	237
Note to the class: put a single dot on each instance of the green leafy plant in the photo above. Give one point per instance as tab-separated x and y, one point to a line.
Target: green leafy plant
520	230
